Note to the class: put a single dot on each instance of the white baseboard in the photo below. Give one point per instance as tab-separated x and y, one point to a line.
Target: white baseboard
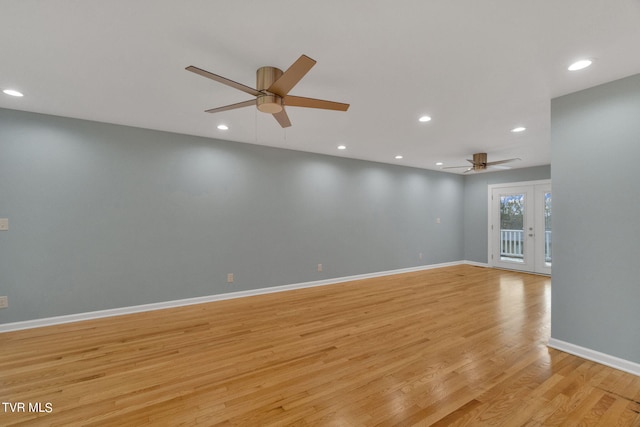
476	264
49	321
596	356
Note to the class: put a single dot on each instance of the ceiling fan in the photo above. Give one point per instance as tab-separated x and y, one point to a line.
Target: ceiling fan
479	163
272	90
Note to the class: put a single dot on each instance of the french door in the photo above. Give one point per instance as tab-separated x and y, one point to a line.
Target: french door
520	226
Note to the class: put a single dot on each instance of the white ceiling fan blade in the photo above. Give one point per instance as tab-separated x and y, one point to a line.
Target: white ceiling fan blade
499	162
456	167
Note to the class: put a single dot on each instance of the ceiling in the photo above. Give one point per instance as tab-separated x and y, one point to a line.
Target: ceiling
478	68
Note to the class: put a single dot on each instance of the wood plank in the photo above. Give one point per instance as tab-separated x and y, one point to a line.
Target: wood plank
458	345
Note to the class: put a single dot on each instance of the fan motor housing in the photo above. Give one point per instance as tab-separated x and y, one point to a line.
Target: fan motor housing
268	103
479	161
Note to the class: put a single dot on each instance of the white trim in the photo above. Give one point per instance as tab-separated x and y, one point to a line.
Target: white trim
476	264
49	321
520	184
596	356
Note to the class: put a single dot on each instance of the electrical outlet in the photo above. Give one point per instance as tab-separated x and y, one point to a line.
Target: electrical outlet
230	278
319	267
420	255
4	302
4	224
437	220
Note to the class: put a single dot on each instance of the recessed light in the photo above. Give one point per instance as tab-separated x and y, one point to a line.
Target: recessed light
342	147
223	127
439	164
12	92
398	157
518	129
424	119
579	65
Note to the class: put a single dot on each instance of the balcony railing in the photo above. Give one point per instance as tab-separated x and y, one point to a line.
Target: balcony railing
512	244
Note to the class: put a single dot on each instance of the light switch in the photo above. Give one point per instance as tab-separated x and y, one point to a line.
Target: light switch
4	224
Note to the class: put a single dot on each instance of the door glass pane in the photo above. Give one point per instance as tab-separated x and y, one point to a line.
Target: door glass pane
512	228
547	229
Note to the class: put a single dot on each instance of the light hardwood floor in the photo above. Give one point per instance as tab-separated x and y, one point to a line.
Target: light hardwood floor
453	346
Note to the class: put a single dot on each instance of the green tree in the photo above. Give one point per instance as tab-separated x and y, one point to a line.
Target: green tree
512	212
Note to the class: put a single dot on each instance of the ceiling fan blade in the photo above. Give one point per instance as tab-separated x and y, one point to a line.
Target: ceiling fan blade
456	167
299	101
232	106
282	118
292	76
499	162
223	80
468	170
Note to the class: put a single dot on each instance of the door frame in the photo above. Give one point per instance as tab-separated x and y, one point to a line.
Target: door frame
490	243
540	264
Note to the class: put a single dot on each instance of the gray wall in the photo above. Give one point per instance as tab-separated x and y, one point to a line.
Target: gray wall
104	216
596	218
476	209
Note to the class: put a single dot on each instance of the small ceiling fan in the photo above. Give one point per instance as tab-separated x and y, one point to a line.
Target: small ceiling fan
480	163
272	90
